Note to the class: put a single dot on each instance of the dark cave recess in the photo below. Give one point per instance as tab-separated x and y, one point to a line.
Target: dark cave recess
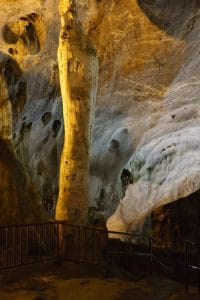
178	221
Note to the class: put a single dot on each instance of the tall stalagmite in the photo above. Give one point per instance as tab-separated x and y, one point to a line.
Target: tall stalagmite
78	70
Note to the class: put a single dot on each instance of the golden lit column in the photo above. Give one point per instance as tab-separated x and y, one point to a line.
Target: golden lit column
78	71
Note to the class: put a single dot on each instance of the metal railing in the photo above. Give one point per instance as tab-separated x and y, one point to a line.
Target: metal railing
192	250
27	243
128	238
84	244
122	249
149	251
155	246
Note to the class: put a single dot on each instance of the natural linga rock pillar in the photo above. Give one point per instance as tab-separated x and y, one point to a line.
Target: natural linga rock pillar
78	70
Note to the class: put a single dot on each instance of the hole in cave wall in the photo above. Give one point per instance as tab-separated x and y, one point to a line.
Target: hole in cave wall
114	145
12	51
175	222
25	128
9	36
126	179
27	29
46	118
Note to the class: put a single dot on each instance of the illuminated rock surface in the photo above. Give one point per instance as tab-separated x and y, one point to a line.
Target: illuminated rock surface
165	165
147	108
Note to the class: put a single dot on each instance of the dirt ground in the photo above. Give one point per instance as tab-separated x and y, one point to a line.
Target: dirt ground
70	281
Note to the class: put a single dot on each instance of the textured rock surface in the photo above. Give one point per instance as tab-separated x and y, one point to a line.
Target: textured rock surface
31	113
78	73
147	109
19	198
38	142
165	166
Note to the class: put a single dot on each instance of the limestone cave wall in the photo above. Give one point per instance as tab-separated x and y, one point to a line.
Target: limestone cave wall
147	107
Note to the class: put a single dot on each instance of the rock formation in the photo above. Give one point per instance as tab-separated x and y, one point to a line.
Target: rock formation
147	107
165	163
78	69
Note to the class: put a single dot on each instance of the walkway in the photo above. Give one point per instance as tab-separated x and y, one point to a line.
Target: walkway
69	281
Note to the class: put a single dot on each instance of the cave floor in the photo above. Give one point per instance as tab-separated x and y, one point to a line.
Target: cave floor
69	281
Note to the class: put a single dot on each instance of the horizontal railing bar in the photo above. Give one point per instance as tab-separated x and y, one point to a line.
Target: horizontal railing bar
100	230
128	253
194	267
159	262
71	225
28	224
125	233
191	242
28	262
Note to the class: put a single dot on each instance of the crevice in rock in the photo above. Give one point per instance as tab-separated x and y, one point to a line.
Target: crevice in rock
56	127
40	168
30	39
16	84
45	140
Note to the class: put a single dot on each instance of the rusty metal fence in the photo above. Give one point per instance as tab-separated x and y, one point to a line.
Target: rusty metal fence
84	244
27	243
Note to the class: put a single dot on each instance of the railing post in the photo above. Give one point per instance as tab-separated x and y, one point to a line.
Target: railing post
73	254
6	246
27	243
151	255
85	244
107	255
20	244
57	239
78	243
53	238
186	267
40	240
14	244
45	239
34	242
93	246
